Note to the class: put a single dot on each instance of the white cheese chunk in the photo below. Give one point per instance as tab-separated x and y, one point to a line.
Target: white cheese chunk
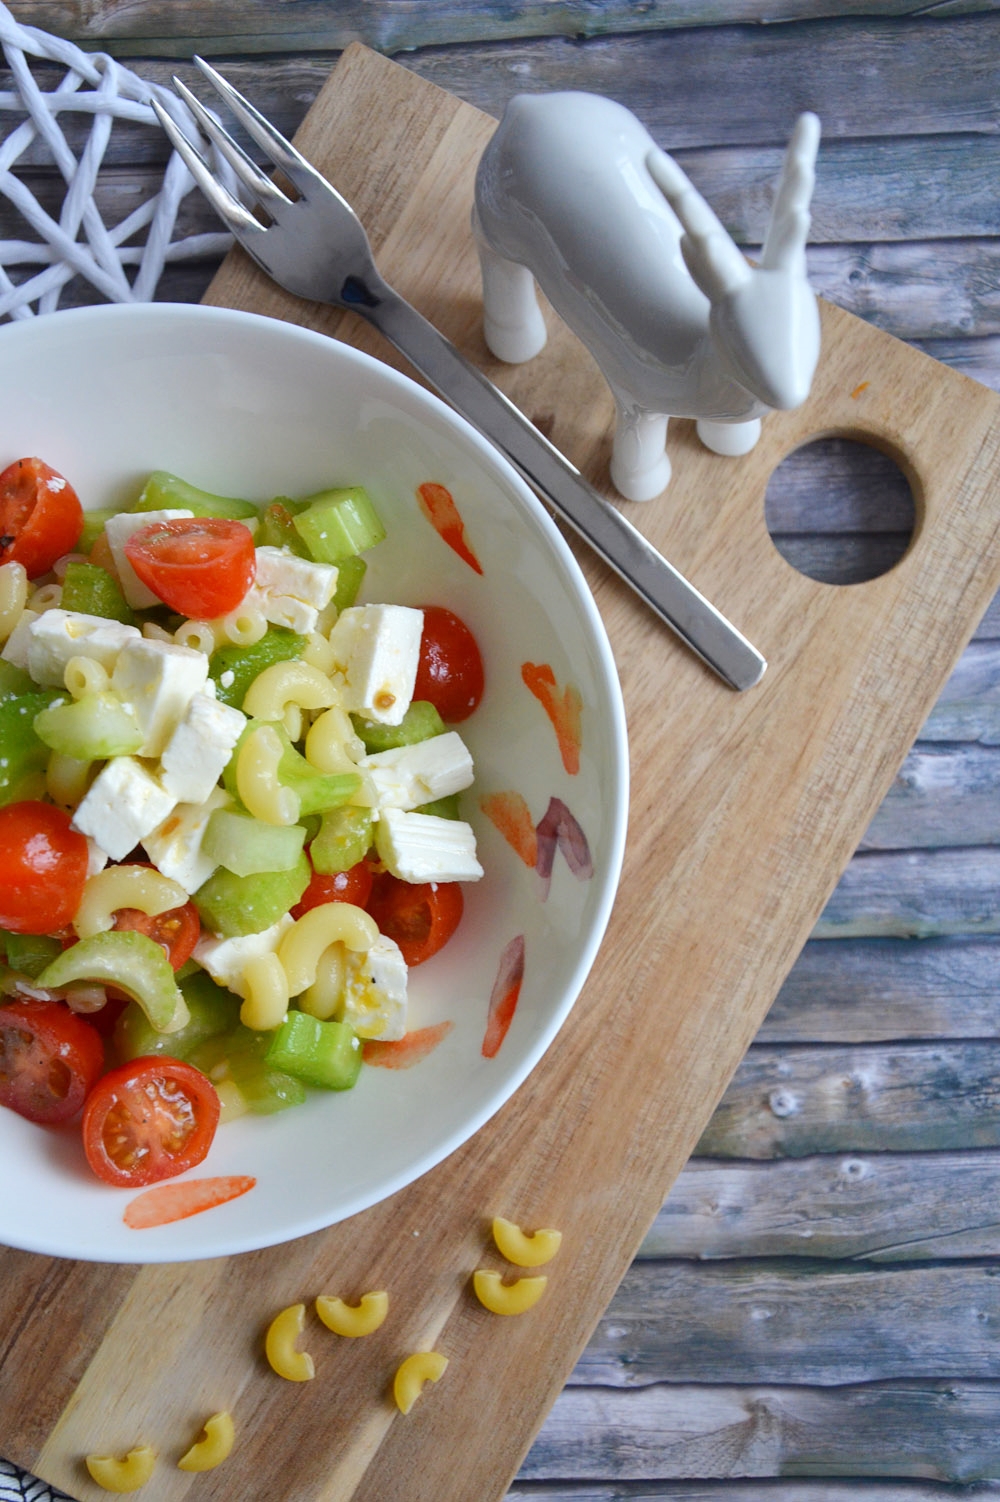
118	530
122	806
158	680
225	959
407	776
57	635
200	747
16	646
97	858
377	648
282	572
283	610
374	1002
174	846
423	847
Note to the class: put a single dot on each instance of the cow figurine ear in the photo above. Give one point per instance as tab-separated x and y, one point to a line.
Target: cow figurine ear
573	193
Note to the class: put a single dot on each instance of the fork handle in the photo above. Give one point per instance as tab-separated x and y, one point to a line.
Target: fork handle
693	618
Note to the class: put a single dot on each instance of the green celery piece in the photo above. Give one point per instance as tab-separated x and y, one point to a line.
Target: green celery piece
93	525
23	756
337	524
240	1055
133	963
442	808
277	529
350	576
92	591
29	954
14	682
236	905
323	1053
247	846
166	492
244	663
317	791
212	1009
91	728
420	722
344	838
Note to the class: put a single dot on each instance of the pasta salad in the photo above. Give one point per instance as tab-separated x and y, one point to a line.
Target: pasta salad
229	808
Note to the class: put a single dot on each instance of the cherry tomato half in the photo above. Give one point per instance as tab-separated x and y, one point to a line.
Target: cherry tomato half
420	916
40	516
450	668
200	566
343	886
50	1059
43	866
178	929
148	1120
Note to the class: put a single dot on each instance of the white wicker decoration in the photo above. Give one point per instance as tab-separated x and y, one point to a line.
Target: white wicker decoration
79	244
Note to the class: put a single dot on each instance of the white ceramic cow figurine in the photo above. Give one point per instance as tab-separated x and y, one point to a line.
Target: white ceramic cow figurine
573	191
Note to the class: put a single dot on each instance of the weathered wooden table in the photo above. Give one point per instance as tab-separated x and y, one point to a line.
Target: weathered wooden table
819	1296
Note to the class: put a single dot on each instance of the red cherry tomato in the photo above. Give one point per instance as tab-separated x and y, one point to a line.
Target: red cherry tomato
43	866
450	669
40	516
200	566
178	929
50	1059
343	886
420	916
148	1120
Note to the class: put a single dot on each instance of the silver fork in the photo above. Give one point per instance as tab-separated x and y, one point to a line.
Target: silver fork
315	247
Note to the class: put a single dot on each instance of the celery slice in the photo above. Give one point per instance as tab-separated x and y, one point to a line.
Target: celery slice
23	756
29	954
344	838
239	1055
167	492
277	528
236	905
420	722
337	524
316	791
89	729
134	964
92	591
93	525
246	846
350	576
212	1009
321	1053
235	668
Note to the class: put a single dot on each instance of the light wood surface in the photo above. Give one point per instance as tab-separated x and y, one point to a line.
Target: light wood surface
745	811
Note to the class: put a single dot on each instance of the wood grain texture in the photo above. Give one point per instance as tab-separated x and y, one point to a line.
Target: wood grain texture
768	795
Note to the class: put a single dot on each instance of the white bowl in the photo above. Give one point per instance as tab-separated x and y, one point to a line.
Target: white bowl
244	405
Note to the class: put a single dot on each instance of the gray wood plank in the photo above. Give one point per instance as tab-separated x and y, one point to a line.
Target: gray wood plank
945	1431
758	1490
849	1207
968	708
875	990
889	893
804	1324
790	1101
942	796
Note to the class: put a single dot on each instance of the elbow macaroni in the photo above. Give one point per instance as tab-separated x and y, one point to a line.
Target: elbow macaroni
521	1249
257	779
302	945
285	683
123	1473
66	779
415	1371
46	597
363	1318
124	886
244	626
84	675
266	1003
205	1454
332	745
13	596
323	998
199	636
283	1331
507	1298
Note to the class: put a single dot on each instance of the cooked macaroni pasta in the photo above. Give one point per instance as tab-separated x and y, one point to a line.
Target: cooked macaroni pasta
302	945
13	596
116	887
243	626
266	1003
285	683
85	675
257	779
323	998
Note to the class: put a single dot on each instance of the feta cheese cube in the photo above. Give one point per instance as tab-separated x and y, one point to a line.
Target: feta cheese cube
122	806
16	646
174	846
407	776
224	959
118	530
158	680
375	991
283	610
376	648
423	847
57	635
282	572
200	747
97	858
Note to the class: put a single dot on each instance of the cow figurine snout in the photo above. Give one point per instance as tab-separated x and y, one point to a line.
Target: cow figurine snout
573	192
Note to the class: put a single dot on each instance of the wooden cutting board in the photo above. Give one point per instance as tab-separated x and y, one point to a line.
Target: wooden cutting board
745	809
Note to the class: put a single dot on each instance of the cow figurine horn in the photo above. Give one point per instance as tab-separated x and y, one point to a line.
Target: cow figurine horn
572	192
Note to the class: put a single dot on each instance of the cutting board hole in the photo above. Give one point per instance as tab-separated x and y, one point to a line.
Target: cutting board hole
840	511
